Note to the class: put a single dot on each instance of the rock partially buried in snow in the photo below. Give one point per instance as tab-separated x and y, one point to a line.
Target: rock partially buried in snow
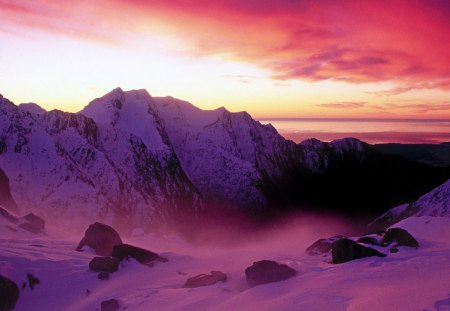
400	236
104	264
267	271
206	279
33	223
110	305
9	293
344	250
100	237
143	256
322	246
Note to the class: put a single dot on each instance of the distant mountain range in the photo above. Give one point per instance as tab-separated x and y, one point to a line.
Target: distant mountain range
431	154
134	158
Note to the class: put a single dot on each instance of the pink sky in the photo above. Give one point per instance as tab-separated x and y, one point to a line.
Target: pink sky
271	58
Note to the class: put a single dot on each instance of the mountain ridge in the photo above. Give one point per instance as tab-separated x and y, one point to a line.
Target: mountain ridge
130	156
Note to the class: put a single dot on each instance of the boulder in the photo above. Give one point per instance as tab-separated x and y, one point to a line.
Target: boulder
206	279
100	237
344	250
267	271
143	256
104	264
400	236
322	246
9	293
369	240
110	305
32	223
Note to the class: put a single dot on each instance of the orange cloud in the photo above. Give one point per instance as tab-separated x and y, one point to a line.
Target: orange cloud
354	41
343	105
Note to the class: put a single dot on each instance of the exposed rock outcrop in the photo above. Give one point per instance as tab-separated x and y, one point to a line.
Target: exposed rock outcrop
267	271
101	238
344	250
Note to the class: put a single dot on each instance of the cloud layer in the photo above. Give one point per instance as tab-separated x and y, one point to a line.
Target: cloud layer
353	41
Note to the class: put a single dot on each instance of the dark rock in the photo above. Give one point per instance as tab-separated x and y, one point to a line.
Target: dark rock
110	305
322	246
33	223
9	293
394	249
6	200
344	250
400	236
369	240
206	279
102	238
267	271
32	280
103	276
104	264
143	256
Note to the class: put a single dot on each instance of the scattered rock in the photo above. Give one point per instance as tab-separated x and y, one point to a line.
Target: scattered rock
33	223
369	240
104	264
110	305
100	237
206	279
400	236
103	276
9	293
32	280
394	249
322	246
267	271
143	256
344	250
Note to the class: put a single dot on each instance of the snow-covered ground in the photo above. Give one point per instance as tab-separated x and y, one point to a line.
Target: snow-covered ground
412	279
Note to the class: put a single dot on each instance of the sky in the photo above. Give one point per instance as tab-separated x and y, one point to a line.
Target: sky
274	58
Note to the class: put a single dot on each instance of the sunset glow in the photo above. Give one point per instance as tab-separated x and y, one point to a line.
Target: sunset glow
274	59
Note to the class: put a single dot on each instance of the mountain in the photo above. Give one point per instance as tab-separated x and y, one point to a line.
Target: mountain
130	158
431	154
70	165
436	203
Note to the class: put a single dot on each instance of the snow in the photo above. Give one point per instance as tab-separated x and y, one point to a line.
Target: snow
412	279
434	203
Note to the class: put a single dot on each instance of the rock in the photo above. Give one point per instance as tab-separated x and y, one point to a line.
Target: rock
206	279
369	240
400	236
344	250
110	305
394	249
267	271
33	223
322	246
104	264
32	280
143	256
9	294
103	276
102	238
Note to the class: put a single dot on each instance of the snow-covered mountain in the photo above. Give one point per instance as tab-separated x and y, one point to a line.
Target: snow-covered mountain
436	203
129	157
